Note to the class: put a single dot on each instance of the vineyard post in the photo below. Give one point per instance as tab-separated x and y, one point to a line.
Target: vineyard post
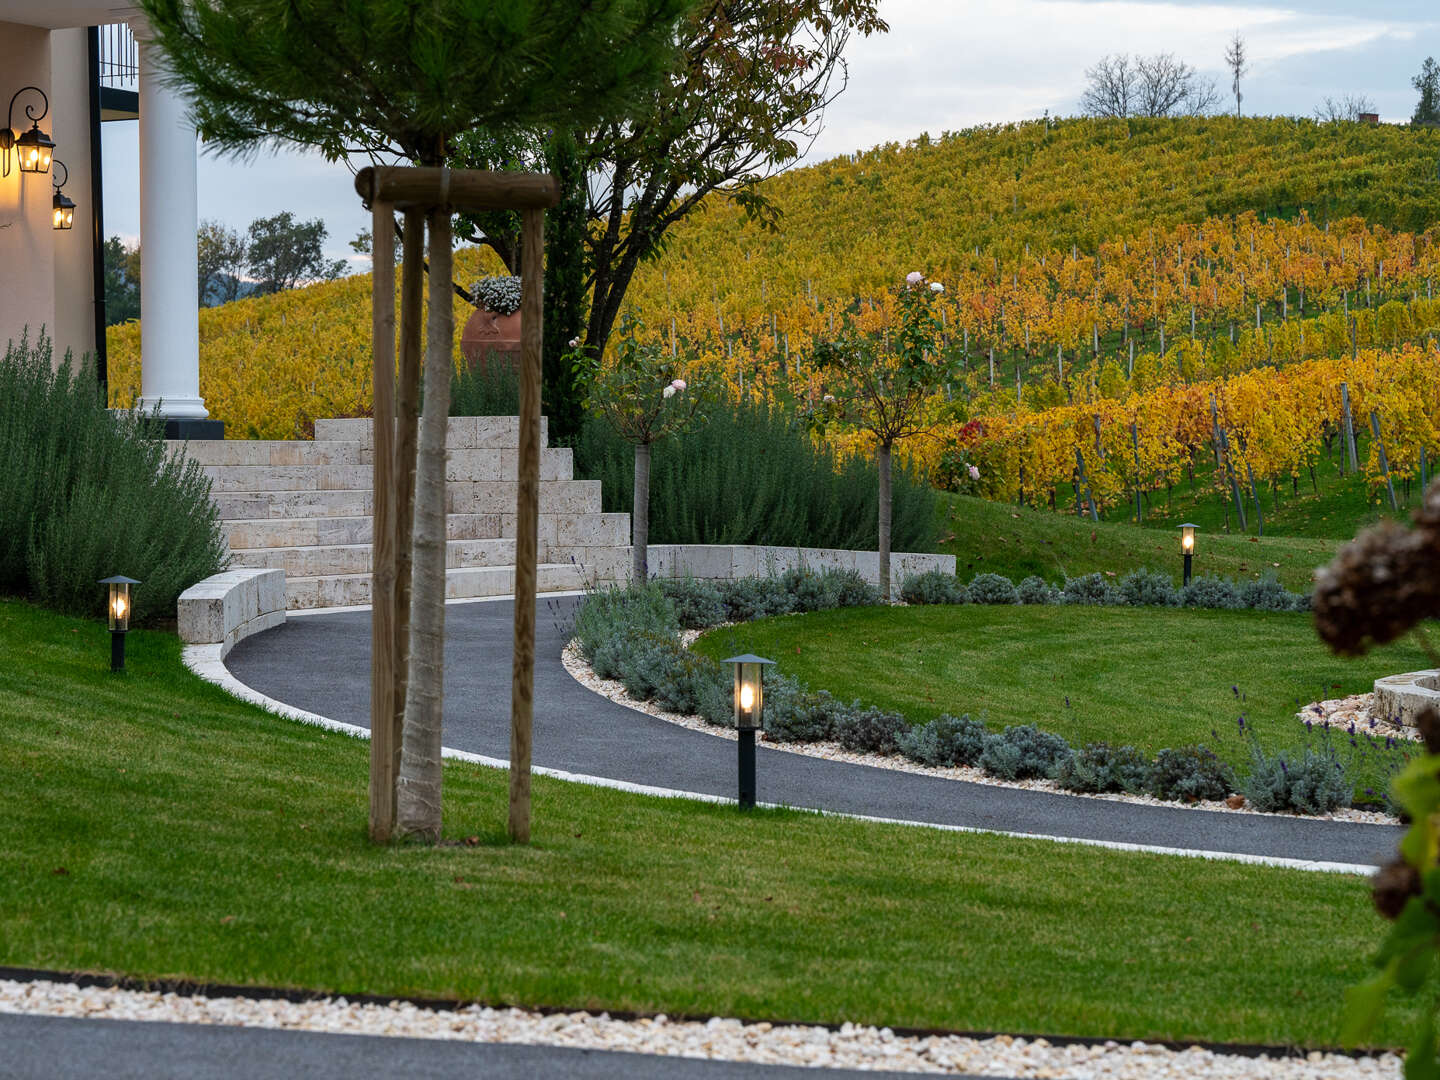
1135	443
1349	427
1089	497
992	367
1130	371
1224	452
1059	365
1254	491
1384	462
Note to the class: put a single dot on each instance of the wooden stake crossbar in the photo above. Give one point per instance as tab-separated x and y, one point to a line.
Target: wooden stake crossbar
416	191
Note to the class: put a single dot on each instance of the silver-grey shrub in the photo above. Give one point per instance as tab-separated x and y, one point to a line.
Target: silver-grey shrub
697	602
992	589
1099	767
1189	773
1266	595
1308	782
1036	590
1211	592
946	740
869	730
1090	589
1148	588
1023	752
607	612
932	587
755	597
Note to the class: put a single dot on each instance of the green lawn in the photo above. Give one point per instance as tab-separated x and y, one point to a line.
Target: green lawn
157	828
1151	677
1016	541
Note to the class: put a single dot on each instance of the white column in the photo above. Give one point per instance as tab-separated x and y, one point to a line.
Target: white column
169	276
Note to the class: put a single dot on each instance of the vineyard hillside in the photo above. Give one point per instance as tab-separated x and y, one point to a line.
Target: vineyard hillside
1191	248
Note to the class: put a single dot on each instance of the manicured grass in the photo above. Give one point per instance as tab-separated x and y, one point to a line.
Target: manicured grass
157	828
1017	541
1151	677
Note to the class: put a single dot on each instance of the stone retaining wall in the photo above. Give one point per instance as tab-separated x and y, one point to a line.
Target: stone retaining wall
229	607
727	561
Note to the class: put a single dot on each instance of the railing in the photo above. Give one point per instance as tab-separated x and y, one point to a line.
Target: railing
119	57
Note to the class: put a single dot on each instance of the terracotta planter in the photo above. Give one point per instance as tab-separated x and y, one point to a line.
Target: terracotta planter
490	338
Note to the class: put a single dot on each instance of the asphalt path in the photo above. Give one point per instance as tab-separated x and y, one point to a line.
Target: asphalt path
63	1048
321	663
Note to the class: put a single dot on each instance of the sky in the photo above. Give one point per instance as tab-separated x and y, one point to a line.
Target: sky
943	66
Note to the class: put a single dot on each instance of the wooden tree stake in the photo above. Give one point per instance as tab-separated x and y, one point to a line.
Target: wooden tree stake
527	514
382	586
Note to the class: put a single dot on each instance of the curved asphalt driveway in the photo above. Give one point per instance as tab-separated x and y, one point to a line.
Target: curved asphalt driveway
321	663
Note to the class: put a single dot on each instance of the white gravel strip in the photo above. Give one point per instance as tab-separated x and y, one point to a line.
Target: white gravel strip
582	673
851	1047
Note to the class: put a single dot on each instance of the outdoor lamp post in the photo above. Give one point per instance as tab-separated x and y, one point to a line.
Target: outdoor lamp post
64	207
1187	547
749	709
33	148
119	610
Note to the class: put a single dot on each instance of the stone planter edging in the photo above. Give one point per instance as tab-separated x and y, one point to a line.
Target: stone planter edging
1400	698
228	607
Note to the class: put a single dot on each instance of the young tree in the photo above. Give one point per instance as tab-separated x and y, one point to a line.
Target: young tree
1122	86
1347	108
1427	84
402	79
222	258
282	253
881	382
644	398
1235	61
745	100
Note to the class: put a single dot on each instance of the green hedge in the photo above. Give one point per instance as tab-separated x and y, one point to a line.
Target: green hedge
86	493
754	475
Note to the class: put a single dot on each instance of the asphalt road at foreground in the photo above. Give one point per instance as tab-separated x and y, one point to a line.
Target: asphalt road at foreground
62	1048
321	663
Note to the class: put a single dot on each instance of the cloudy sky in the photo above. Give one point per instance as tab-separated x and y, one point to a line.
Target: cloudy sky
945	65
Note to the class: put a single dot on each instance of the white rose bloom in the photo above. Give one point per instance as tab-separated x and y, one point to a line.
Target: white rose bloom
935	286
668	392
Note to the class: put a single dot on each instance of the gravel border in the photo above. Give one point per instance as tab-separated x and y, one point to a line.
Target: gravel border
582	673
849	1046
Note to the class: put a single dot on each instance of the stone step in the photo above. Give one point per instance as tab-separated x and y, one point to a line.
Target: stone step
349	590
222	452
312	531
225	479
470	432
331	559
252	505
498	497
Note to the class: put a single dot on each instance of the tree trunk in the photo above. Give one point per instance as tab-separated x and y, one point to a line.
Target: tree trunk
640	517
407	433
882	461
418	798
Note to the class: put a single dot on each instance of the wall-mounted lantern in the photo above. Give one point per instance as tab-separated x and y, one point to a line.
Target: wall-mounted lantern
63	213
749	716
33	149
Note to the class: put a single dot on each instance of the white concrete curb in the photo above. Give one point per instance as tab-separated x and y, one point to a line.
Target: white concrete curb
205	661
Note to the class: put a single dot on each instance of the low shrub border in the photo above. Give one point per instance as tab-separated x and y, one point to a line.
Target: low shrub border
634	635
1139	588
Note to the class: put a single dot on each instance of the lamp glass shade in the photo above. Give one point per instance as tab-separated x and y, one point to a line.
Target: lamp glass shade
118	604
34	149
63	214
1187	539
749	691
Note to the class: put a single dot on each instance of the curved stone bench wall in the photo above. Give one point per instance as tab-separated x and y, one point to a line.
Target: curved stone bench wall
229	607
1401	697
